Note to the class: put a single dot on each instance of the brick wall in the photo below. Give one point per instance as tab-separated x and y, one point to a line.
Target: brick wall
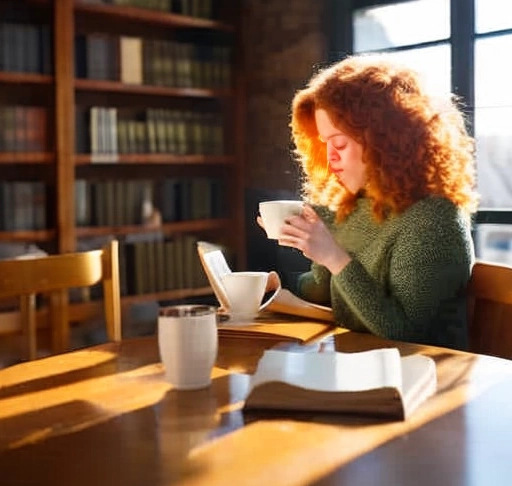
283	41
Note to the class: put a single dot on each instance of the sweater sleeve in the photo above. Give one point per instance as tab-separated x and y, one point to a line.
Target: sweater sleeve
314	285
426	266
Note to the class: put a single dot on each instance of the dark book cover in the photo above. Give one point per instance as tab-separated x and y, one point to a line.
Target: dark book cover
35	129
32	52
46	49
81	56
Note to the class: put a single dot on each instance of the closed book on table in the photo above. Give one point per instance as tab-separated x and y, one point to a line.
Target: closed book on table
378	382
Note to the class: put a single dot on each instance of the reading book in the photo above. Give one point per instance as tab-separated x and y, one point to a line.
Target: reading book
377	382
272	326
281	301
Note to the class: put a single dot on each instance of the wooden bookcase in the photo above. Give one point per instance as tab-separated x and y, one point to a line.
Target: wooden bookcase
190	109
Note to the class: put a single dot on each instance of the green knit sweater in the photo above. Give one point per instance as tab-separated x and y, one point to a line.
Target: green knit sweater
407	276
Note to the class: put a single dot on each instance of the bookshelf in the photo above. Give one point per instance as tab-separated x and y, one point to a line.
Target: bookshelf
106	106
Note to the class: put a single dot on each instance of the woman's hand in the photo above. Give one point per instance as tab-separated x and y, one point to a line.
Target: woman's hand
308	233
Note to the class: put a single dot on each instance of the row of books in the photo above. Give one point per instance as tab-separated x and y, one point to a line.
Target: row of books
23	128
134	60
192	8
105	132
23	205
122	202
114	203
25	48
159	264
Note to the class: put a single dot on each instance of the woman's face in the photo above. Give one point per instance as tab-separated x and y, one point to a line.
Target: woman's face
344	154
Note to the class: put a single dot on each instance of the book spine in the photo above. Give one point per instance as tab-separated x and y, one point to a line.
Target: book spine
169	265
82	203
131	52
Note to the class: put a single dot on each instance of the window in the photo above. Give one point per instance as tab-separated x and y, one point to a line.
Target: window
401	24
460	46
416	32
493	129
492	15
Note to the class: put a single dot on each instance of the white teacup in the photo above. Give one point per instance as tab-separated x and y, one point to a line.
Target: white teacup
188	342
244	291
274	213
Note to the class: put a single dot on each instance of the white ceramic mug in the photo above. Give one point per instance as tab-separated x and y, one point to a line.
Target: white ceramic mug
188	342
244	291
274	213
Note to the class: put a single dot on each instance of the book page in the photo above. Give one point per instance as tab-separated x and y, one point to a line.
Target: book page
331	371
285	302
419	379
215	267
302	332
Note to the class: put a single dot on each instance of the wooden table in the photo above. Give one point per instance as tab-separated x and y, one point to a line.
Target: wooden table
106	416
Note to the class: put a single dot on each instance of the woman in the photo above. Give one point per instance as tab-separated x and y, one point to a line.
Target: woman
389	171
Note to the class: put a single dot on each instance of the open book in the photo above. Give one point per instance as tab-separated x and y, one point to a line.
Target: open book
379	382
281	301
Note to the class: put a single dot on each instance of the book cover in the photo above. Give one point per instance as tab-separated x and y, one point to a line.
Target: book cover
179	264
160	264
101	54
378	382
39	204
23	210
34	138
82	202
131	60
46	49
169	265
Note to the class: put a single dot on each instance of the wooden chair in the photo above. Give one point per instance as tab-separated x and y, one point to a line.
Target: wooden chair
54	275
490	309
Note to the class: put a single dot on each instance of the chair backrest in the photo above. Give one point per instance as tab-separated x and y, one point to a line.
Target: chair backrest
54	275
490	309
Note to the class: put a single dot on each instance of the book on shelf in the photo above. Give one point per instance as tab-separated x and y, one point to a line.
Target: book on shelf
152	263
377	383
24	47
120	202
23	205
131	59
281	301
23	128
102	56
103	134
82	202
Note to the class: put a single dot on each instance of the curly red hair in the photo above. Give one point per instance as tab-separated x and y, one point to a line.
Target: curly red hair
414	144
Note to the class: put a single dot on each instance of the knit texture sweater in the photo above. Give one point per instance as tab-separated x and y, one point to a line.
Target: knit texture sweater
407	276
